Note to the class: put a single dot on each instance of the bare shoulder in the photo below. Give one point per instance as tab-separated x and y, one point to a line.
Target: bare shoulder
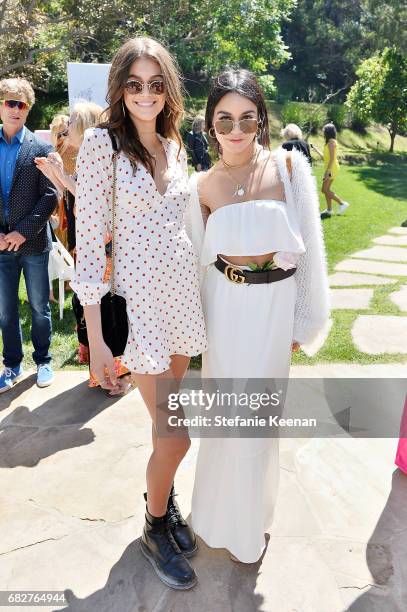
207	184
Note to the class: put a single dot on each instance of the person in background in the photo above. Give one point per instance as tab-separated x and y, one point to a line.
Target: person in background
198	145
59	132
57	220
293	139
331	171
84	115
60	168
27	200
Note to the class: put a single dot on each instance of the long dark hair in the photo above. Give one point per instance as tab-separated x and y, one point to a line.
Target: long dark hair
169	119
244	83
329	131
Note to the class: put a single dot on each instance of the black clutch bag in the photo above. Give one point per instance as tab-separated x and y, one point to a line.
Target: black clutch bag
115	327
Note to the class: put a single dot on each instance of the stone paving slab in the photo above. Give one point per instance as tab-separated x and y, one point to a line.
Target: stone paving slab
347	279
350	298
401	231
391	240
378	334
383	253
372	267
71	482
400	298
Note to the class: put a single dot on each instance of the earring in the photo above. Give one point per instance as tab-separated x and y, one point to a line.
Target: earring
123	108
210	132
167	116
259	131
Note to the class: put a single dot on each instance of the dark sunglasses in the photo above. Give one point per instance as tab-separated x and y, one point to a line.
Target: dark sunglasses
247	126
134	86
15	104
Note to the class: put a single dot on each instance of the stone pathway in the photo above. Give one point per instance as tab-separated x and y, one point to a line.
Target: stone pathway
381	264
400	298
71	481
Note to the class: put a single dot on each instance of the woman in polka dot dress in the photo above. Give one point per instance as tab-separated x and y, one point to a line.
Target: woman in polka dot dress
155	268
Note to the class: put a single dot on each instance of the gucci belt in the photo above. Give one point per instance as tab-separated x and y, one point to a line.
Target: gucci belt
240	277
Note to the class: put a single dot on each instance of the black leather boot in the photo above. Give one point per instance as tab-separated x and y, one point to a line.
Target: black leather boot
160	548
183	534
181	531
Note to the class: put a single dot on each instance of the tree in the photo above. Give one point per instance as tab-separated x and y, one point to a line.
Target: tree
204	36
380	92
328	39
325	39
385	24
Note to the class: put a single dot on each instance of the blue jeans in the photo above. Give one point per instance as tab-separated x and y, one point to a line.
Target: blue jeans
35	270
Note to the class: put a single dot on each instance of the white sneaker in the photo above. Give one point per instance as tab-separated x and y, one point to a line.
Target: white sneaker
326	213
343	207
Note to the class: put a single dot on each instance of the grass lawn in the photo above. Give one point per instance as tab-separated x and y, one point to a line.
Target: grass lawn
377	196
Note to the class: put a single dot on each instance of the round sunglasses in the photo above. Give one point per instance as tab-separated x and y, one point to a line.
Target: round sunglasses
247	126
15	104
134	86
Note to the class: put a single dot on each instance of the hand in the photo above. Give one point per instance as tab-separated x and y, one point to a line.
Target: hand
52	167
14	240
102	365
3	242
46	168
56	160
123	386
295	346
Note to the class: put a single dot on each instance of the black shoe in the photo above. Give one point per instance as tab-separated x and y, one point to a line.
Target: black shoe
325	215
164	554
181	531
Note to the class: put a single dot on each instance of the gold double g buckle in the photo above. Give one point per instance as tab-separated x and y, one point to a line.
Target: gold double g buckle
232	274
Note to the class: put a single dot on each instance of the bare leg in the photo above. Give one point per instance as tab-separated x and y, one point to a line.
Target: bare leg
51	293
331	194
168	451
179	365
326	191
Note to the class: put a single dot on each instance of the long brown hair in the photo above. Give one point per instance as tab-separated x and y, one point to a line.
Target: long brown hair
169	119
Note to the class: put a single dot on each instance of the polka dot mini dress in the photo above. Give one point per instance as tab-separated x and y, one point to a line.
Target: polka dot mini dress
155	264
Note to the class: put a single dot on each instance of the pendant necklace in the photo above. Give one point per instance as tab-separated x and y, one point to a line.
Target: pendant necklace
240	190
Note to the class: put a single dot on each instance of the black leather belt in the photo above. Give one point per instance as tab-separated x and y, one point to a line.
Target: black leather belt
239	276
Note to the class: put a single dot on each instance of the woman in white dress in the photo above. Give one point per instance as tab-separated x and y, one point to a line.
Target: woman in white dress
255	209
154	268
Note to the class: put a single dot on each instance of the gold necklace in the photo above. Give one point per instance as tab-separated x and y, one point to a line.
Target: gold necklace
225	163
240	190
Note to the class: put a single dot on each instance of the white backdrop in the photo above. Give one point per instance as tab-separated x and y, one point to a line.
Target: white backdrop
87	82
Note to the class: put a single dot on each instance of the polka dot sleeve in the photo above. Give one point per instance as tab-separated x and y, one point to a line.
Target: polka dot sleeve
93	191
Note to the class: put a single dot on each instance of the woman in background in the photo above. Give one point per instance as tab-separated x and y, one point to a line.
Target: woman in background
84	115
198	145
331	170
293	139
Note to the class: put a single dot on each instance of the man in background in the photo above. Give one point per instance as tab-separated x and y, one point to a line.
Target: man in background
27	200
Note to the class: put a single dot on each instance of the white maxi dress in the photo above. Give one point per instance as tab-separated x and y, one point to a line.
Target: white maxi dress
250	330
